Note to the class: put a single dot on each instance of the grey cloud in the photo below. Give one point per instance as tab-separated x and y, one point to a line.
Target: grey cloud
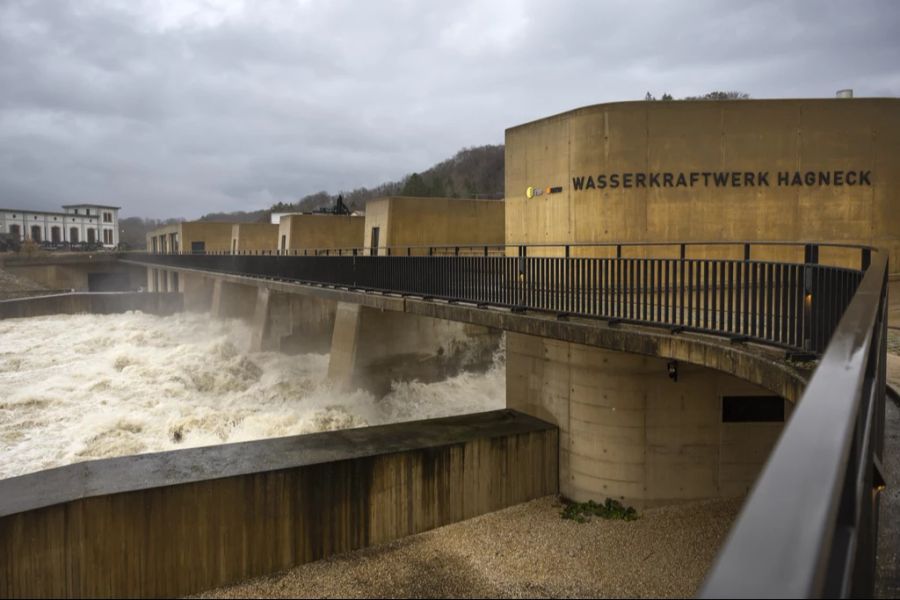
176	109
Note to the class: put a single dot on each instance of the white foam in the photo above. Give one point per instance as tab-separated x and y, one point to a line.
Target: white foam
78	387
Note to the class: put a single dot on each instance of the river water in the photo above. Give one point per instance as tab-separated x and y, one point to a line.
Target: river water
79	387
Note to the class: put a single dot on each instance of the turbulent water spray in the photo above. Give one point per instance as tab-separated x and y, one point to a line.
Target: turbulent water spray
80	387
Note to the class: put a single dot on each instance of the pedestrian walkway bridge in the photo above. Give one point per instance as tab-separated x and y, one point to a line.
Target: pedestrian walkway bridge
809	526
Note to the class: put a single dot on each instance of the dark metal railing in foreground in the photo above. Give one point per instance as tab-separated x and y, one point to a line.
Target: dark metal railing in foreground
809	527
792	305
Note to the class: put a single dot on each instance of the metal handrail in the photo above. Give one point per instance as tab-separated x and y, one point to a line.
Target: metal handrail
809	526
522	248
792	305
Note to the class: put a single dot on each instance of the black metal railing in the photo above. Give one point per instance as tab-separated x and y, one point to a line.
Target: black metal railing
809	527
793	305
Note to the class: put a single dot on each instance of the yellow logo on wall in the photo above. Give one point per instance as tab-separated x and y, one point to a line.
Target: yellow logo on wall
532	191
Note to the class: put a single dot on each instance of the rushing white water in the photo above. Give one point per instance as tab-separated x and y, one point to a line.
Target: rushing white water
79	387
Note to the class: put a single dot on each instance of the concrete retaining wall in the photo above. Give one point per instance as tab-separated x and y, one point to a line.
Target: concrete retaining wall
177	523
629	431
89	302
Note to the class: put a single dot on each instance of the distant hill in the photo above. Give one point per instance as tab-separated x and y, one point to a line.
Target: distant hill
471	173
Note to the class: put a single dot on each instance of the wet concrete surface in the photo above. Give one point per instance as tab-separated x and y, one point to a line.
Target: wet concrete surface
160	469
887	584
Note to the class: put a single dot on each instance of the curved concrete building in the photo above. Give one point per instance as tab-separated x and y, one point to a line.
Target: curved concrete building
682	171
819	170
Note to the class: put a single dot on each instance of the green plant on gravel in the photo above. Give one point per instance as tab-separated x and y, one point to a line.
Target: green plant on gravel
581	512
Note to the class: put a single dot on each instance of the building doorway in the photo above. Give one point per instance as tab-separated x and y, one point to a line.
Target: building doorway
16	231
55	235
73	235
36	233
92	236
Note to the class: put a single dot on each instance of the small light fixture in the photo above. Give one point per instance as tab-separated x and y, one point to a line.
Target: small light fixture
672	369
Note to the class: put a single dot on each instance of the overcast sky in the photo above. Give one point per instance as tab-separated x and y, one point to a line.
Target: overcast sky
175	109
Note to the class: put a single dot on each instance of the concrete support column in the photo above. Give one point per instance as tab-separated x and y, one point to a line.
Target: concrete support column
342	361
629	431
217	290
371	348
270	320
233	300
198	292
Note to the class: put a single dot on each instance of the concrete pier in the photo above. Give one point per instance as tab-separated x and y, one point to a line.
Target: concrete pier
629	430
373	347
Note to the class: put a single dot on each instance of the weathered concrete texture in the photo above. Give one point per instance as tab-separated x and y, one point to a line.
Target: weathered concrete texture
753	136
627	430
371	348
233	300
176	523
292	324
248	237
91	302
298	324
197	290
182	237
310	232
80	272
410	221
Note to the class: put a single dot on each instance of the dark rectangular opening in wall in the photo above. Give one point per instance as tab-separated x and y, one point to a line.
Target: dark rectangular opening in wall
376	231
752	409
108	282
198	247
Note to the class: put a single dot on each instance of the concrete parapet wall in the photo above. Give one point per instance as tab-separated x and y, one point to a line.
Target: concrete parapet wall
74	275
177	523
96	303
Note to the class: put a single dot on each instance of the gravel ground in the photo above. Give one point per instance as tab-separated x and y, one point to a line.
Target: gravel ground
523	551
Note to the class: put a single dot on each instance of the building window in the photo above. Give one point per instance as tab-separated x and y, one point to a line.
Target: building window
14	229
36	233
752	409
73	235
87	211
92	236
107	217
108	237
76	211
376	233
